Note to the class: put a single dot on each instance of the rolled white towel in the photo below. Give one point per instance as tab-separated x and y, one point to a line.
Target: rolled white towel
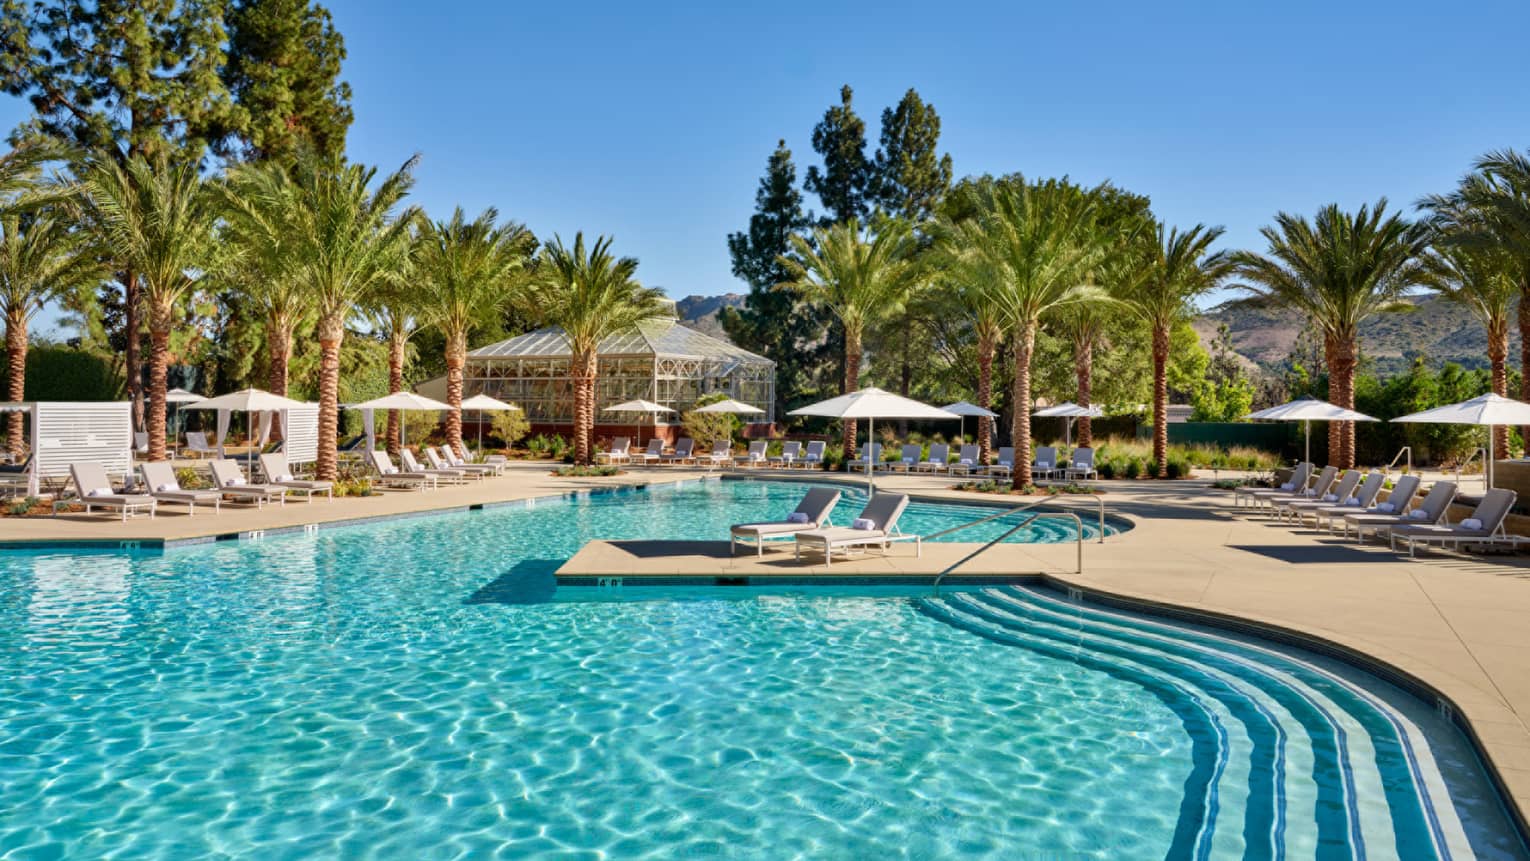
864	523
1078	464
1330	497
392	470
1471	523
1041	464
1386	507
168	486
1353	500
234	482
798	517
286	476
1418	514
1290	485
101	491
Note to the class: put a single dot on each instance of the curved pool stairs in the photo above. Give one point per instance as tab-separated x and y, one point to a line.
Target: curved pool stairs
1291	759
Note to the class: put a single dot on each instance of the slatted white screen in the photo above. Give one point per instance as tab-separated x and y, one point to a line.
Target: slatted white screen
300	429
69	432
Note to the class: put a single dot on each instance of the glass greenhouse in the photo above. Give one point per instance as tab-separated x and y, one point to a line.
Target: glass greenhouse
658	360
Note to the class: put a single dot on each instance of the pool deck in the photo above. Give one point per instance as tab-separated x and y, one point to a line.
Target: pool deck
1455	625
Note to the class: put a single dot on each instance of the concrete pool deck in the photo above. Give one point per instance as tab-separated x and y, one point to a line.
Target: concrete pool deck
1455	625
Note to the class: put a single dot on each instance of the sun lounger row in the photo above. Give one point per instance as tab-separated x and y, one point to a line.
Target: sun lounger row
809	529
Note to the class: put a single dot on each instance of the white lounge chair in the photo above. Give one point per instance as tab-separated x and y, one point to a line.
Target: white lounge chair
651	454
391	475
1299	488
159	478
790	452
684	452
1341	490
966	461
1004	463
231	483
939	459
1432	509
755	456
96	491
1484	526
908	458
618	452
811	513
1253	495
1361	500
441	458
1045	464
1080	465
877	526
871	455
722	454
140	442
813	457
1396	505
448	476
277	472
196	443
458	457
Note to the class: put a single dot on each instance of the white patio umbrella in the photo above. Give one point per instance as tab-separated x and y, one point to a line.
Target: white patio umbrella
1307	410
639	406
179	396
398	401
731	406
872	404
964	409
249	401
1069	412
483	403
1489	411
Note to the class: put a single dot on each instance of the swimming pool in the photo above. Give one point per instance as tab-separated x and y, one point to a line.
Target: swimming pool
417	689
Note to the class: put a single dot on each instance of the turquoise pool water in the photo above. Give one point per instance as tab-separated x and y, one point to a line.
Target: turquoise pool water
417	689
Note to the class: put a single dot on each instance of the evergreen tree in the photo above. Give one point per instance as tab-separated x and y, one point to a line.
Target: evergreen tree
844	182
772	322
283	70
908	176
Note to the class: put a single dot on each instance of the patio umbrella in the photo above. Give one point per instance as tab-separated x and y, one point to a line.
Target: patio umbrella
1069	412
964	409
178	397
249	401
1489	410
639	406
1307	410
730	406
872	404
399	401
482	403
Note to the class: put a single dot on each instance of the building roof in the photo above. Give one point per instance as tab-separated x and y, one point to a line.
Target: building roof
658	337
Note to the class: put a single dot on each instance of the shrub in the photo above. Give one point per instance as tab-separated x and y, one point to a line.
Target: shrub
586	471
510	427
547	445
190	478
1177	466
704	428
418	425
358	486
23	507
1131	468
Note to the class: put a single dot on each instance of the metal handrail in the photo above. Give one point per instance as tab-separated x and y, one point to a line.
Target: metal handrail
1465	463
1078	535
995	516
1405	450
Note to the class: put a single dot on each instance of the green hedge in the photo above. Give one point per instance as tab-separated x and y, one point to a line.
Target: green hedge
66	374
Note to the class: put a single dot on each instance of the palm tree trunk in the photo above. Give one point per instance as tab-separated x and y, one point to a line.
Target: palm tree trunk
160	321
1498	360
16	378
582	369
905	372
130	357
397	343
1524	349
331	332
852	382
1020	427
279	348
1161	400
1083	370
985	393
456	358
1341	387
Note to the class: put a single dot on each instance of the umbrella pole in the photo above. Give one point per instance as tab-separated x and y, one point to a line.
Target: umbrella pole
1307	426
480	432
871	434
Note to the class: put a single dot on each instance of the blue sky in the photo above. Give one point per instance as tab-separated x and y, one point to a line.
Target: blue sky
652	122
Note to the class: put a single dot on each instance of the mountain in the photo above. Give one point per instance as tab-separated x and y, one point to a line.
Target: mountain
700	312
1439	330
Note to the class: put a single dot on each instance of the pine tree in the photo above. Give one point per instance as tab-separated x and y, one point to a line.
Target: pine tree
123	78
845	180
283	69
772	322
909	178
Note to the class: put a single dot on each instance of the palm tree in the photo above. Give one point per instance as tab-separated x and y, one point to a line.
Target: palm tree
859	278
1031	248
1337	270
262	247
157	220
1083	323
1482	278
1160	282
41	259
469	270
988	328
349	237
395	308
589	294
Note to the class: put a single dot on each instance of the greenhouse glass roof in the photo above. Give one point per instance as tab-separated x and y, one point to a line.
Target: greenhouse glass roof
650	338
